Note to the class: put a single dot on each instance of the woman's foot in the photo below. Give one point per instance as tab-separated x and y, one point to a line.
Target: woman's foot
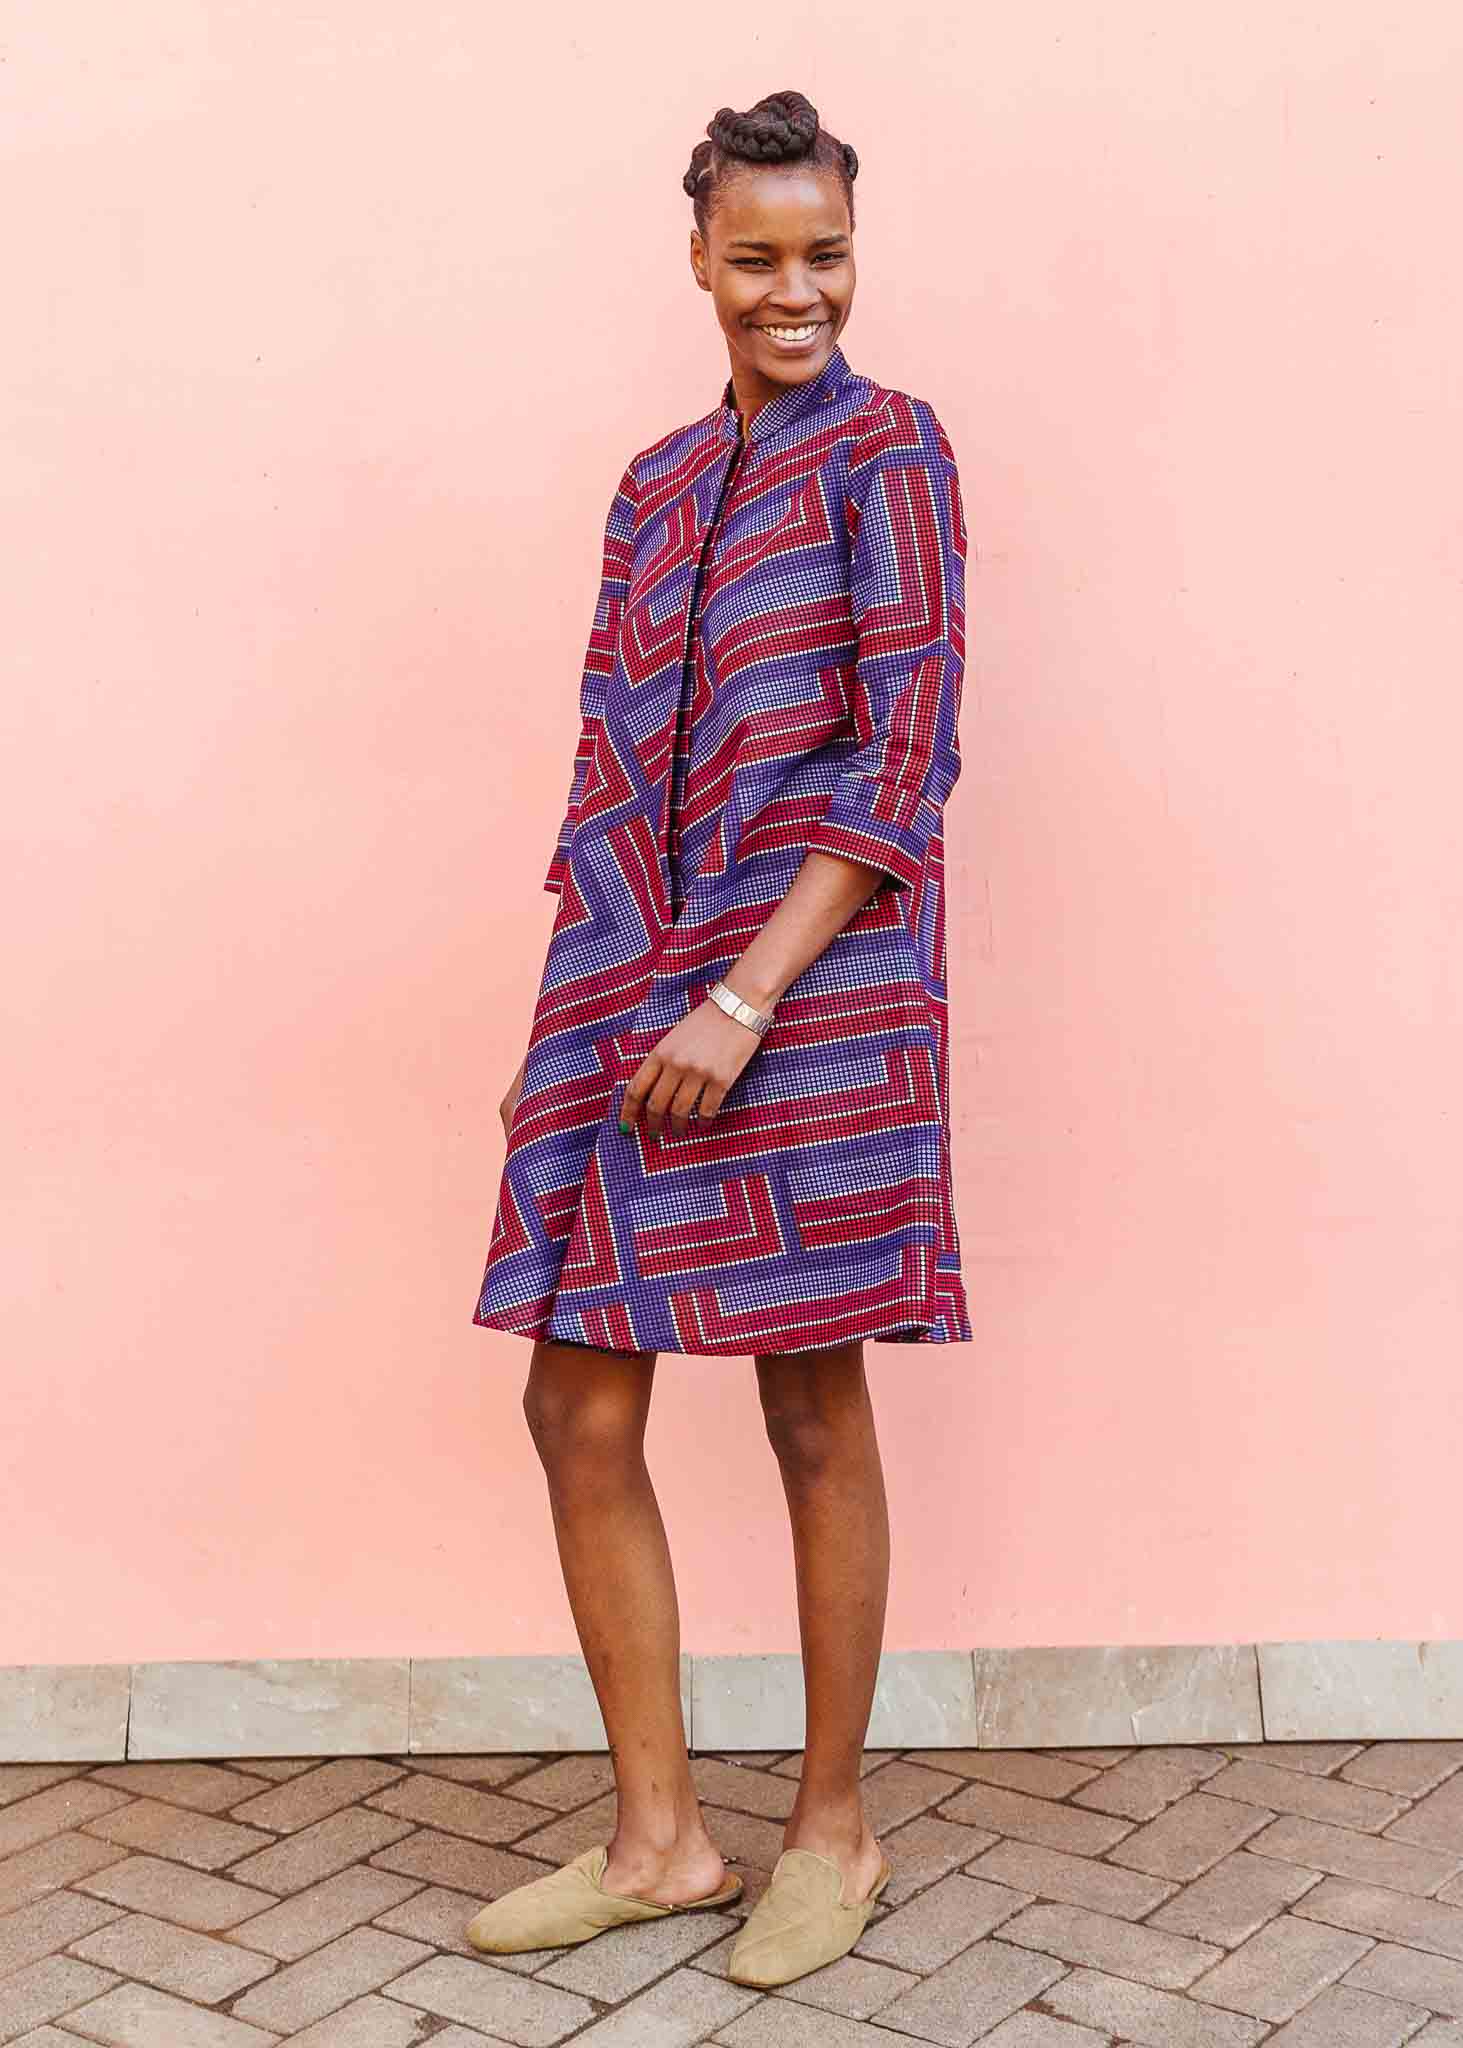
571	1904
858	1855
818	1903
688	1869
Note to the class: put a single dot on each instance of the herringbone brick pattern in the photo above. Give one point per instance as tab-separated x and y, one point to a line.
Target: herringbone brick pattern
1304	1895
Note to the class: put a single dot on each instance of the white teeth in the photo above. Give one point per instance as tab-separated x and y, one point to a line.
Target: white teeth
794	333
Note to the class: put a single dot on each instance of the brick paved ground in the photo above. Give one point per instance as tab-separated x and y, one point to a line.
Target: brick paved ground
1305	1895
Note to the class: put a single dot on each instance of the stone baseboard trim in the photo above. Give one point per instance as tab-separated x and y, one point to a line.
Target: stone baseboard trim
1043	1698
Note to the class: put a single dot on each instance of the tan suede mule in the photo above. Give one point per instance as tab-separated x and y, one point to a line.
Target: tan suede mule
801	1921
570	1905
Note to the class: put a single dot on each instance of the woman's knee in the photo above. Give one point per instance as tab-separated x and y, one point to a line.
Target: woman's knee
578	1415
810	1412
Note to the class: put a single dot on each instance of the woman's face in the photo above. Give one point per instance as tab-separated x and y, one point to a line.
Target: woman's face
778	263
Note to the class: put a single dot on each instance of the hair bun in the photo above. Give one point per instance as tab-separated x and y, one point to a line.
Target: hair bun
783	128
779	129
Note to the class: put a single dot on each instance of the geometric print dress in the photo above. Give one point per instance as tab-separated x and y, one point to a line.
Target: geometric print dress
775	665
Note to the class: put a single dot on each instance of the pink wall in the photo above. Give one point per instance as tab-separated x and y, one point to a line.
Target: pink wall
328	333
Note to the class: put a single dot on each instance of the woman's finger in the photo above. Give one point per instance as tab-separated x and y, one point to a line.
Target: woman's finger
632	1102
683	1103
658	1100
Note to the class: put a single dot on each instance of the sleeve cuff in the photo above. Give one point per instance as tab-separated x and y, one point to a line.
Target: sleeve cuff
882	824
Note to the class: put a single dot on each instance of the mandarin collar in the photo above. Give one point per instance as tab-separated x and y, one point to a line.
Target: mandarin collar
796	400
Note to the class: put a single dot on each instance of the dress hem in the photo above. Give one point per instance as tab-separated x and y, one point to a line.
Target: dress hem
925	1333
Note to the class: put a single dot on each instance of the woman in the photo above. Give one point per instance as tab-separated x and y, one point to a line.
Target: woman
730	1132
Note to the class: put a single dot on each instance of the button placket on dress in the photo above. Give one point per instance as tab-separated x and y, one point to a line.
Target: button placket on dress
680	762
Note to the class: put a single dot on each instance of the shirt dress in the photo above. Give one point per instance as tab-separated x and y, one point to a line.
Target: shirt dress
775	664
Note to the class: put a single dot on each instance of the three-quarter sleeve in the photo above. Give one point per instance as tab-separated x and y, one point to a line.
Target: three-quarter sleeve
907	549
599	660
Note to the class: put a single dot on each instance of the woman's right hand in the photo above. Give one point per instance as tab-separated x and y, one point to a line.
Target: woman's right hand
510	1101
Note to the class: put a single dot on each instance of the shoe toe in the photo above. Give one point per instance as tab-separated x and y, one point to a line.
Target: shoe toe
546	1912
799	1923
509	1924
790	1951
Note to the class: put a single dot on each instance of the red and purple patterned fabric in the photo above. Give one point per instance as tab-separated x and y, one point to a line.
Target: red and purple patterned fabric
775	664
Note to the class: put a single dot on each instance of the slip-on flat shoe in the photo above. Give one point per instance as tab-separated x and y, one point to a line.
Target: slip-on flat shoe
571	1904
801	1921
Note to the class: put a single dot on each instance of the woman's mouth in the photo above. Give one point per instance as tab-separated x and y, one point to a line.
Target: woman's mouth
789	339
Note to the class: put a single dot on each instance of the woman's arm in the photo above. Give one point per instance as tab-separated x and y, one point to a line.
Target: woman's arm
599	658
699	1058
907	596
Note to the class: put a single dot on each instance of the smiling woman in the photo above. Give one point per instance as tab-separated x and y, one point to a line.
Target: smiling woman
730	1134
805	214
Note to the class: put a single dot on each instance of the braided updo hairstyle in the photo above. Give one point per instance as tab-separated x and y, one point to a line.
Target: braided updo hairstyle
781	129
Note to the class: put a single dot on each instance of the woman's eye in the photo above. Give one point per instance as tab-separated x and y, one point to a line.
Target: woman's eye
753	262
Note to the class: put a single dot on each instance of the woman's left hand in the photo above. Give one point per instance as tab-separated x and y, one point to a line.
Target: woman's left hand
690	1068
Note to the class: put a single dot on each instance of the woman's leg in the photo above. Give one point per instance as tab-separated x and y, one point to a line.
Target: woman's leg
821	1425
586	1410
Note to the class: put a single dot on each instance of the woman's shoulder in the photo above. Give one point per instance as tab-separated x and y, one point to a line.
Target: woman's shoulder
890	420
663	457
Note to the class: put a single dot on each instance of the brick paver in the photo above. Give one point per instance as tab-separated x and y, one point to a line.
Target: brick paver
208	1788
68	1805
946	1918
436	1802
437	1858
851	1986
368	2022
310	1797
1235	1899
510	2008
320	1850
966	1998
926	1849
1341	2018
1171	1961
1190	1836
612	1971
332	1907
198	1839
678	2011
303	1992
1280	1969
134	2016
46	1925
1390	1916
45	1866
171	1891
1372	1858
1436	1820
42	1990
18	1781
1143	1784
779	2023
1051	1823
1287	1895
172	1958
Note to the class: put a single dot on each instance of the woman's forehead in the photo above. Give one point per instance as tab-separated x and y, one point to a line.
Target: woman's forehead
787	206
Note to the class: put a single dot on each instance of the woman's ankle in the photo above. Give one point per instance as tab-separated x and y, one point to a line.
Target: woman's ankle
687	1866
831	1826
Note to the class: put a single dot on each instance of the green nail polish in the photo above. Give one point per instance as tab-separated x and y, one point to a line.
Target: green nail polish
625	1128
